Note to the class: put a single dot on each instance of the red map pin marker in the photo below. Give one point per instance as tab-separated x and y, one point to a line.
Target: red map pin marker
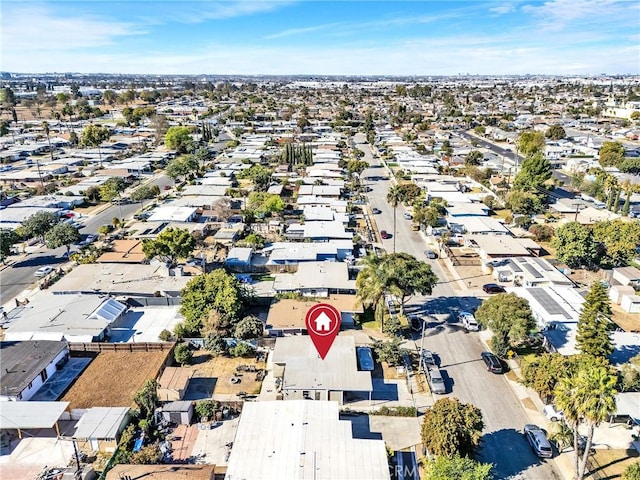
323	324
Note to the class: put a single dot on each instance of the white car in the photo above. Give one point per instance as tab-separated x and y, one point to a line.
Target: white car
469	321
43	272
552	413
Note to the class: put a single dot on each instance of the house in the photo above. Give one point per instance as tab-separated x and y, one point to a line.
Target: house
630	304
123	251
302	440
627	276
316	279
173	384
304	375
99	429
287	316
239	259
27	365
491	247
123	279
173	214
74	318
318	231
293	253
528	272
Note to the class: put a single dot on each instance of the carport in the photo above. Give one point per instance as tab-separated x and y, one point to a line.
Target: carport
31	415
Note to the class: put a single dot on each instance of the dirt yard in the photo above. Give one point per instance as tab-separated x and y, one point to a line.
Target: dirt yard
224	369
112	379
609	464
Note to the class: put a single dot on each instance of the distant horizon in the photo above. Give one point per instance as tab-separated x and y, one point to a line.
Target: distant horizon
419	38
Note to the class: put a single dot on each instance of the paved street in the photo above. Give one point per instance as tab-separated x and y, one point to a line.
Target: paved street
19	275
459	352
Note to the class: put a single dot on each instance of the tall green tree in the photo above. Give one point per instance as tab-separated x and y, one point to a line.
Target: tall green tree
147	399
452	428
457	468
595	325
587	397
8	238
110	189
533	174
259	175
62	234
619	238
179	139
248	327
263	203
556	132
395	196
93	136
170	245
409	276
611	154
39	223
474	158
182	166
531	143
508	317
217	291
574	244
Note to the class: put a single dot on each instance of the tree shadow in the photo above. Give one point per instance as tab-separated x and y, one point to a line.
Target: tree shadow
39	261
508	451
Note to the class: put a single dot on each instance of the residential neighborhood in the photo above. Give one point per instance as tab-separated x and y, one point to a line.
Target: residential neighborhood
163	238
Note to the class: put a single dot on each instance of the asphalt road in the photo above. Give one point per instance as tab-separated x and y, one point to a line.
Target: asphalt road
19	276
458	351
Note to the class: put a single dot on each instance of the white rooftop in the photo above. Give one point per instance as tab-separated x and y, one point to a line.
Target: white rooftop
27	415
302	439
101	422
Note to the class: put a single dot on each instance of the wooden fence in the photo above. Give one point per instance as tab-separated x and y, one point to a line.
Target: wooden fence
121	347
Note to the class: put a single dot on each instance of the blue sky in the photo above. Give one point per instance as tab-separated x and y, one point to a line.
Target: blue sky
321	37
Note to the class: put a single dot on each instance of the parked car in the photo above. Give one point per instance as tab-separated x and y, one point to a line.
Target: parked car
436	382
428	359
538	441
493	288
407	216
493	363
376	211
430	254
43	271
416	322
415	227
384	234
469	321
551	413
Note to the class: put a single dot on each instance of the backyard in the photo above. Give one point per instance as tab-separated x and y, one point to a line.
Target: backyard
112	379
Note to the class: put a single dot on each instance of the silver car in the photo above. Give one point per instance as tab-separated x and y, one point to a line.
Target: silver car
538	441
436	382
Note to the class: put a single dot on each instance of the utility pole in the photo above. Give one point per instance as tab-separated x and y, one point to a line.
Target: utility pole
575	218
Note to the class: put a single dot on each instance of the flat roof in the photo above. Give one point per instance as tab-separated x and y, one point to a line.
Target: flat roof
26	415
101	422
500	245
305	370
316	275
54	317
119	279
302	439
161	472
290	313
23	361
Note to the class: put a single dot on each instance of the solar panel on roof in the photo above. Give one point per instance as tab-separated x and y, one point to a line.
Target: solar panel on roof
549	304
514	266
531	269
543	265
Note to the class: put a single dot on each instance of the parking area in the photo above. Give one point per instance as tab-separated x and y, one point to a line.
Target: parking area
213	445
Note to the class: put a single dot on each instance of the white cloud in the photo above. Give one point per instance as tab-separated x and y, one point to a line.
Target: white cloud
503	9
446	56
301	30
603	14
197	12
32	27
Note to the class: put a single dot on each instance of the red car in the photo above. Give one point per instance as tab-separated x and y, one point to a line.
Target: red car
384	234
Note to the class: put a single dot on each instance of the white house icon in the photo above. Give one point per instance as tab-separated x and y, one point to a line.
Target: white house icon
323	323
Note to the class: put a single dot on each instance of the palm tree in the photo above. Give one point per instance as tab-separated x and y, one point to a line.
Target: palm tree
373	285
588	397
394	197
